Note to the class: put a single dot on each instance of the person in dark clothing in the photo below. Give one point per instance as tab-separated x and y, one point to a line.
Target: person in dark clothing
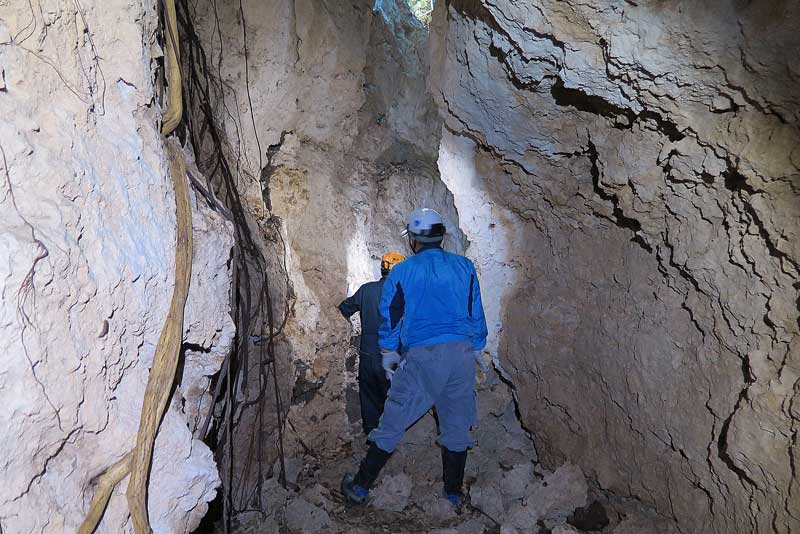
373	385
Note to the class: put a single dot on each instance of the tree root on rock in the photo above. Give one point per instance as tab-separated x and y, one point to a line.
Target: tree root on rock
162	373
165	359
105	485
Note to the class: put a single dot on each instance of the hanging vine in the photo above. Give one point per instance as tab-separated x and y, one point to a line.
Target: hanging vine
247	391
167	353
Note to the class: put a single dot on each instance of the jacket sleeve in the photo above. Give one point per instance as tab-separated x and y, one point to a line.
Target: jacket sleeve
479	331
351	305
392	308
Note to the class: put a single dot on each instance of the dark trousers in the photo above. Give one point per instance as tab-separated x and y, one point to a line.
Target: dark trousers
373	387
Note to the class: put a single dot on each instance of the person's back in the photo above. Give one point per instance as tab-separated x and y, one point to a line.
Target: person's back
436	292
366	301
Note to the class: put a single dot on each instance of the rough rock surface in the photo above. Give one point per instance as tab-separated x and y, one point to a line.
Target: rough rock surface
342	143
628	174
303	516
392	493
88	217
561	491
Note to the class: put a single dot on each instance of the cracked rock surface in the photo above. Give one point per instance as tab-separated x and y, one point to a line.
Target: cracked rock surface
87	255
634	180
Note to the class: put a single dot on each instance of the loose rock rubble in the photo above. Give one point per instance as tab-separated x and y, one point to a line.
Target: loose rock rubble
393	493
507	492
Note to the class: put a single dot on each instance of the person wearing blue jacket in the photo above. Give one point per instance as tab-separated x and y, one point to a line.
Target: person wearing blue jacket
431	306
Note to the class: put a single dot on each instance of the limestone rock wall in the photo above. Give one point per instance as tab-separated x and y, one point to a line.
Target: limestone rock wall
349	140
88	217
288	79
341	144
629	172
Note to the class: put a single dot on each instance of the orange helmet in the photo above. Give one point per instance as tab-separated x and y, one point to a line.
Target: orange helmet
389	260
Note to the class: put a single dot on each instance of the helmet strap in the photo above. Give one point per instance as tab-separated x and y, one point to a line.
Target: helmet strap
412	243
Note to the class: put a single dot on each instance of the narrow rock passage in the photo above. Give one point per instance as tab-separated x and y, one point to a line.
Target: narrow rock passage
625	176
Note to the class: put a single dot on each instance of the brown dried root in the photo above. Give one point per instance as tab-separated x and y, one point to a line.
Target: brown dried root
162	374
165	359
105	485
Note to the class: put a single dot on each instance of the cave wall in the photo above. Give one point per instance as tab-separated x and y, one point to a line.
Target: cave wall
634	179
88	245
348	137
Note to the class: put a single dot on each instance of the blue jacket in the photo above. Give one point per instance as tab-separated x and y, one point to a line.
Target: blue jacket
432	297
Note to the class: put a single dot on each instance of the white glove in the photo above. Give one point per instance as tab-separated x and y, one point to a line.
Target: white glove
478	355
390	360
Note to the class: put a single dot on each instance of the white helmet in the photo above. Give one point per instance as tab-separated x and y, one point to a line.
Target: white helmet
425	226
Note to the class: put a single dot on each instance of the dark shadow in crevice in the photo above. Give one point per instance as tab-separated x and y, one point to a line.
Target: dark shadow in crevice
623	118
619	218
212	521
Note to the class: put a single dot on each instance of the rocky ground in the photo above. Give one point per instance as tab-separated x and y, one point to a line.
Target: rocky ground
509	492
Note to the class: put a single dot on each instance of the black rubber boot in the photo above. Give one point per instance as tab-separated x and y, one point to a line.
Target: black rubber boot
453	464
371	466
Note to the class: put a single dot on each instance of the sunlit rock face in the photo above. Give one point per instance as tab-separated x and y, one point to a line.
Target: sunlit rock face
630	173
88	247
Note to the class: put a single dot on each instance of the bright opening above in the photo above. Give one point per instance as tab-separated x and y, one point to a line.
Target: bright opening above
422	9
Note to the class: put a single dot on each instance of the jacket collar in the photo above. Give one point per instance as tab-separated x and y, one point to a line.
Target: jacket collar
430	246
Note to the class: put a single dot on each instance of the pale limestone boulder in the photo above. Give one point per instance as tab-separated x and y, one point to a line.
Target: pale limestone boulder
559	493
303	516
514	484
486	496
393	493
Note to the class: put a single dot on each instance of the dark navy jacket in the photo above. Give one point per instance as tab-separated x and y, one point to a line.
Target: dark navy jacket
366	301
